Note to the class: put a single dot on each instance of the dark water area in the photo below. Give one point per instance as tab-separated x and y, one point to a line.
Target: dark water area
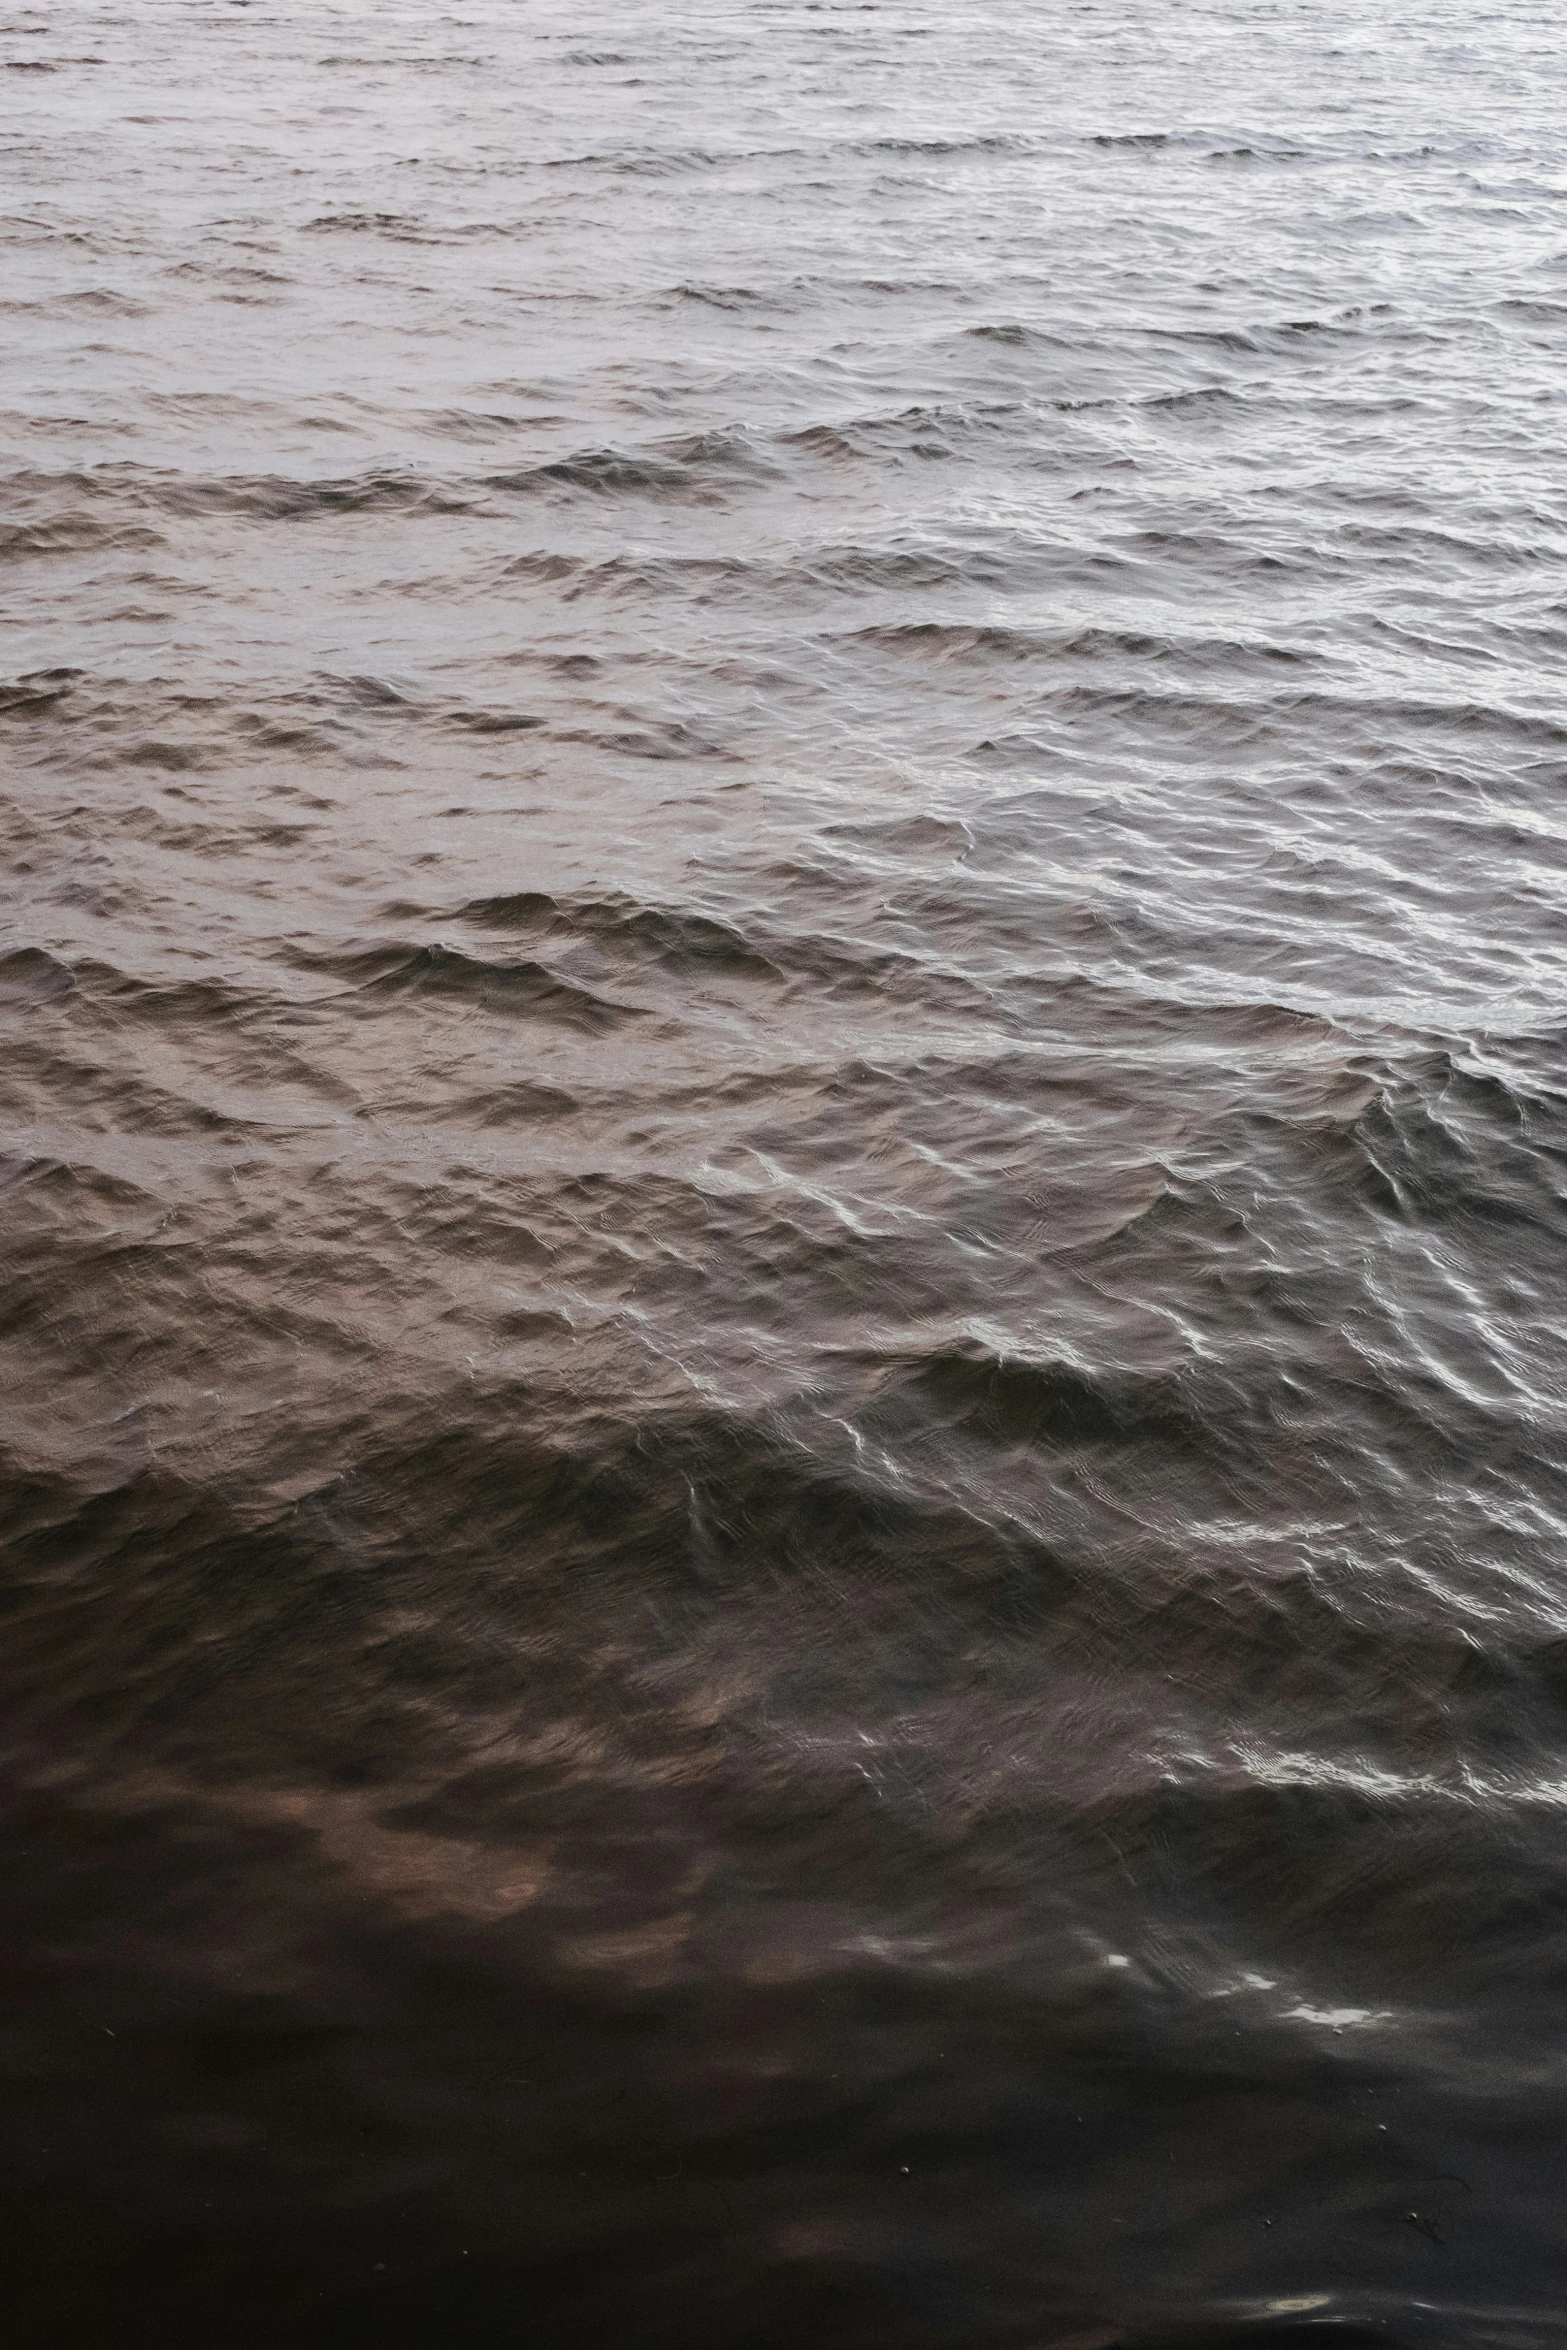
783	1119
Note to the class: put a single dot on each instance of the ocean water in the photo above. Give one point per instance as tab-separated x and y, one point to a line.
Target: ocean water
783	1113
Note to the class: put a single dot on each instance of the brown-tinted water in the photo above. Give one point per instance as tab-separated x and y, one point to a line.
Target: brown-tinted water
785	1535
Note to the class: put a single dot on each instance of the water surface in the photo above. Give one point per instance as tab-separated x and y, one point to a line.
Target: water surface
784	1118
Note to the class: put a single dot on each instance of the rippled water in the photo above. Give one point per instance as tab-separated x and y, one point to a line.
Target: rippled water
784	1129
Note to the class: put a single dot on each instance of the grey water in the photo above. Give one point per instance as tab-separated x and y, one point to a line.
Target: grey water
783	1111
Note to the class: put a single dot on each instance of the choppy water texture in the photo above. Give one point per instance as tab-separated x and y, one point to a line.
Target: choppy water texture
784	1125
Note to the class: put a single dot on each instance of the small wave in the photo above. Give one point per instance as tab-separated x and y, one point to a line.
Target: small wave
918	431
399	224
266	497
677	939
696	466
29	975
723	297
646	162
72	534
668	738
1009	1400
1197	399
45	1186
749	943
958	641
1456	1144
38	694
1258	151
210	1001
445	974
278	498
